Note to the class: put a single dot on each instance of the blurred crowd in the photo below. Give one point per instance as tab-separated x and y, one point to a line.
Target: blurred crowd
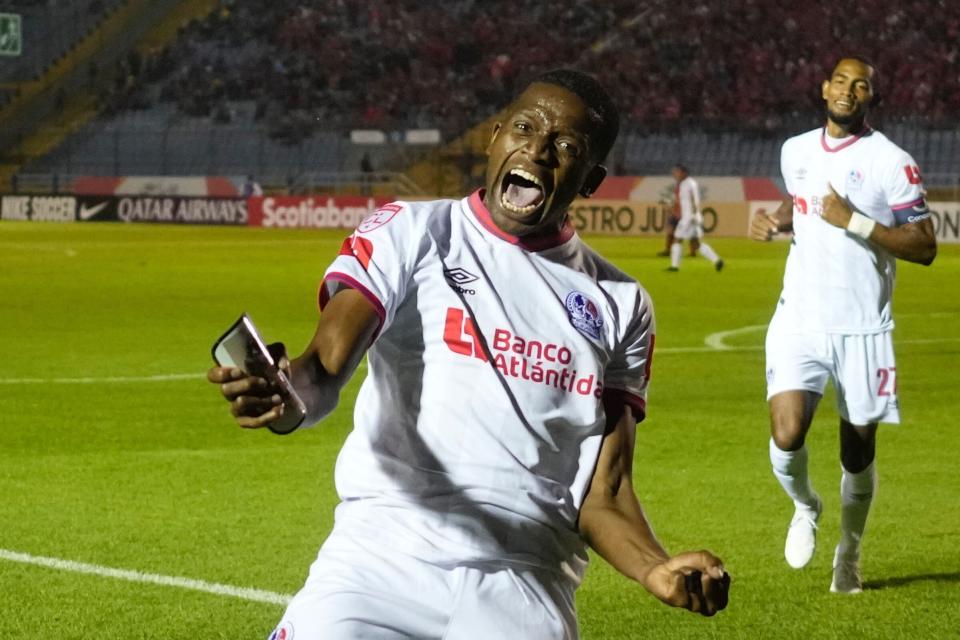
752	65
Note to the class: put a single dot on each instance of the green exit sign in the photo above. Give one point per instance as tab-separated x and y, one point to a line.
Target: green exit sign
10	34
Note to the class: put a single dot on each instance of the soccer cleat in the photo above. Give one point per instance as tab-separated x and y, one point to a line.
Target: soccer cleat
846	575
802	536
718	265
673	268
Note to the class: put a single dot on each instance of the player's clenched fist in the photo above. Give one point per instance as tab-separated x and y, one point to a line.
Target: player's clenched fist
695	580
764	226
254	402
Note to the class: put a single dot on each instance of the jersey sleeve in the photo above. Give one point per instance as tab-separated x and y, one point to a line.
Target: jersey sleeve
904	190
628	372
377	260
785	171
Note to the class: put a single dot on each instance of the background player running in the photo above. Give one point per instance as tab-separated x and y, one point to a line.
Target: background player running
690	224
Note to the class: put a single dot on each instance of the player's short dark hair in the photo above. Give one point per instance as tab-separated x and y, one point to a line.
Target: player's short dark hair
602	111
682	167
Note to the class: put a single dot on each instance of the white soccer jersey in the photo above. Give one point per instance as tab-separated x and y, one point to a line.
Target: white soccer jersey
834	281
477	428
688	197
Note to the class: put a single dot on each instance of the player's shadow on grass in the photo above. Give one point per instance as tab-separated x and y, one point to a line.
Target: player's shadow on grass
901	581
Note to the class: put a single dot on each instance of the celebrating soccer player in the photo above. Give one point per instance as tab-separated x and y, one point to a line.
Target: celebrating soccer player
494	433
856	205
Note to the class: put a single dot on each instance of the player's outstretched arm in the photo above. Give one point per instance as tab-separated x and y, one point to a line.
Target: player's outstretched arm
344	332
764	225
613	523
913	242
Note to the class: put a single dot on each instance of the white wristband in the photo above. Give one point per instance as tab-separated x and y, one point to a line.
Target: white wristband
861	225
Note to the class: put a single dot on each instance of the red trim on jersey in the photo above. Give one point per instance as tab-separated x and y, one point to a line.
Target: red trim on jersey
345	249
635	402
349	281
649	365
912	203
539	243
638	404
359	248
845	143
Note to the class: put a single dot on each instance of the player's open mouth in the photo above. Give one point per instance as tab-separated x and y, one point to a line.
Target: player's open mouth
521	192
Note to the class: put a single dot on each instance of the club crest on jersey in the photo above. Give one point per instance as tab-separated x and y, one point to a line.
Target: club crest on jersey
584	314
854	180
283	632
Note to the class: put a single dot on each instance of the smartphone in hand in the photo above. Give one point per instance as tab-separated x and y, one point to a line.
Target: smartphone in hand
243	347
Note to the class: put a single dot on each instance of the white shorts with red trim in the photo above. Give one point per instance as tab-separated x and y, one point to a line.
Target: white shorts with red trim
862	367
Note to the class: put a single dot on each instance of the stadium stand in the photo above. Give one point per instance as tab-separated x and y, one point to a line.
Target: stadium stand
670	62
275	84
52	28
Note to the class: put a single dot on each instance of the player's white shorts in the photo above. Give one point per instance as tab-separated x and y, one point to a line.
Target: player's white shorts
862	367
360	589
689	228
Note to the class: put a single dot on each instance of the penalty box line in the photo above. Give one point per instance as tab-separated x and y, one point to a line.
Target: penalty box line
243	593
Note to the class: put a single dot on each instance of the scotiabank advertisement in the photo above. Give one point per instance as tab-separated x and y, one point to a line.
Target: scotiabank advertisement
318	212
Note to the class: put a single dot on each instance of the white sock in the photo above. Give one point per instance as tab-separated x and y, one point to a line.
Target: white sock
707	252
675	250
856	495
790	469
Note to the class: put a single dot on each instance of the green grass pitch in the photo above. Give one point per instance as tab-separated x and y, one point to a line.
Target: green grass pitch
116	454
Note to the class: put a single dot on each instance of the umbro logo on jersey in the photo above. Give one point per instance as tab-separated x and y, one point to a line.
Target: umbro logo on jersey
584	314
458	277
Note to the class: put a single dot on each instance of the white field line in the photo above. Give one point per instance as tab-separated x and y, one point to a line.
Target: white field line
91	380
716	342
244	593
712	343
